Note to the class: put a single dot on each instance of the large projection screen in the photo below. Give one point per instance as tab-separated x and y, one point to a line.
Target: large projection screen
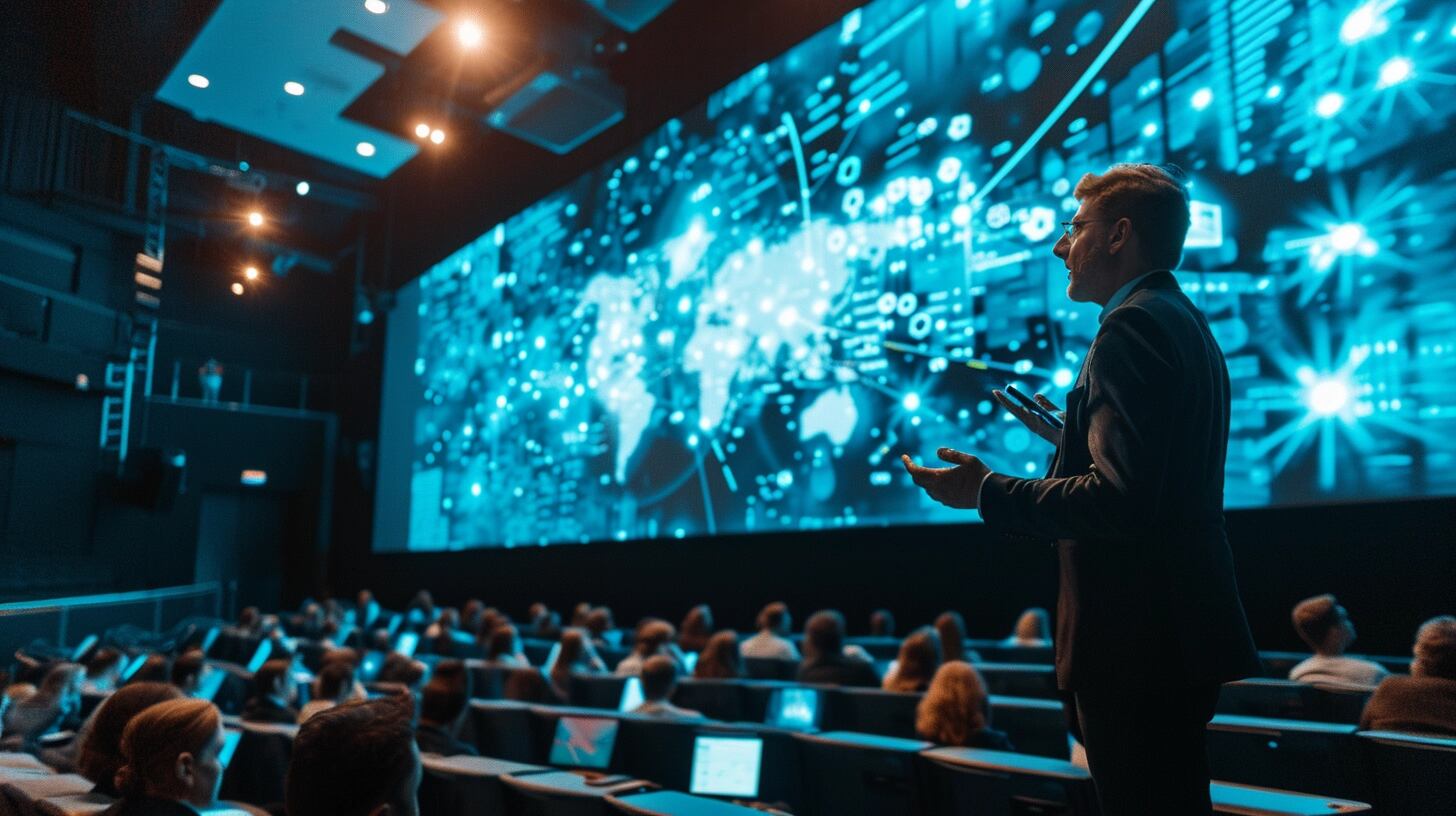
739	323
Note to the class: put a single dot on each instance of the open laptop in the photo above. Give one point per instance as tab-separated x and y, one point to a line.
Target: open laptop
406	643
79	653
793	708
260	656
209	682
132	666
631	695
726	765
584	742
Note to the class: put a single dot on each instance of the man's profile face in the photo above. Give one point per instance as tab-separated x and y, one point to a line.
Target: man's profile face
1085	253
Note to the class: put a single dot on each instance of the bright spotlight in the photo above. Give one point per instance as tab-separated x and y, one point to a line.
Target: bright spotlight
376	6
422	130
1202	98
1395	71
470	33
237	288
1274	92
293	88
1329	104
911	401
302	188
255	219
198	81
364	149
437	136
1346	238
365	316
1328	396
251	273
1150	129
1366	21
1062	378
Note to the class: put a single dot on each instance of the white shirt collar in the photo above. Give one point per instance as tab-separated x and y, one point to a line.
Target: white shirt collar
1121	294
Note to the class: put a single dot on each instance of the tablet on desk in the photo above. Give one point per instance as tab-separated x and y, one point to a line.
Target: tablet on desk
726	765
584	742
794	708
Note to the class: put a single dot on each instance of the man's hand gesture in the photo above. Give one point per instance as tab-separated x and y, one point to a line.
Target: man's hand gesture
958	486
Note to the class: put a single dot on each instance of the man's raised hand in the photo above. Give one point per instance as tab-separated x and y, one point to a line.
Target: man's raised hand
958	486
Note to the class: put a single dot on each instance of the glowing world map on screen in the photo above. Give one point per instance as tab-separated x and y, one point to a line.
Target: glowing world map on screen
738	325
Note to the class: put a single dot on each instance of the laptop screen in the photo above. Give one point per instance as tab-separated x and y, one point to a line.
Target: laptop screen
406	644
584	742
631	695
726	766
796	708
209	682
133	666
265	648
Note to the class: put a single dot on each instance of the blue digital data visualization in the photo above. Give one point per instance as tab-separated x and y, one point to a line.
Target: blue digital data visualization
739	324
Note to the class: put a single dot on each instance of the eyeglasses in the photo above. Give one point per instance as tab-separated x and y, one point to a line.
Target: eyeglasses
1070	228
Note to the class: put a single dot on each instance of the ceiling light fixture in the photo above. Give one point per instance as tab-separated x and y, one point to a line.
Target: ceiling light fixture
470	33
422	130
302	188
376	6
237	288
293	88
198	81
251	273
364	149
437	136
255	219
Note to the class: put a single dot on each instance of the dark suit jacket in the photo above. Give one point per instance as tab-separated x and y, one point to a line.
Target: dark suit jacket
1421	705
1134	500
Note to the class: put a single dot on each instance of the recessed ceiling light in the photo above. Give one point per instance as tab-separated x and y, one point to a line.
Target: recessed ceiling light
302	188
198	81
437	136
255	218
422	130
470	33
237	288
293	88
251	273
376	6
364	149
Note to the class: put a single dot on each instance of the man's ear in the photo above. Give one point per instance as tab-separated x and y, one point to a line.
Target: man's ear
183	767
1121	234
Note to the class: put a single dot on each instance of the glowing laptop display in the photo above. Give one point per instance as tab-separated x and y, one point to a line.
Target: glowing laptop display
726	766
584	742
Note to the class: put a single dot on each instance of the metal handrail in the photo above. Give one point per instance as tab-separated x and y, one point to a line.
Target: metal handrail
63	606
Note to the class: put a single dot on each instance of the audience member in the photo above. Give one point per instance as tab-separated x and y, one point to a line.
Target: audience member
55	706
447	622
402	670
155	669
654	636
697	627
579	614
919	658
882	623
546	625
1033	628
576	656
312	623
1323	624
103	671
956	710
170	763
99	754
824	657
441	705
952	630
359	759
367	611
187	671
719	659
334	685
771	642
1424	702
659	678
603	629
504	648
421	608
250	623
471	613
273	694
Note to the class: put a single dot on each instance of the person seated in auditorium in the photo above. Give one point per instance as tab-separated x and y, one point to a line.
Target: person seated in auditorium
719	660
421	609
103	671
155	669
311	623
919	658
504	648
772	642
99	754
1424	702
54	707
824	657
952	630
603	629
1033	628
334	685
654	636
170	764
442	703
1323	624
250	624
576	656
545	624
187	671
579	614
697	627
359	759
471	613
274	693
367	611
659	678
956	710
442	635
882	623
402	670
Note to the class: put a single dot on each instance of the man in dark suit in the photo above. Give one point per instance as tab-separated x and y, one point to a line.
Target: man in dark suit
1149	622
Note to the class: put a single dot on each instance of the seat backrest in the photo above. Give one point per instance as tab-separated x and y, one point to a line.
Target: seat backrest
259	764
500	729
596	690
1033	725
994	652
716	699
1019	679
770	668
1263	697
1297	755
871	711
1340	703
465	784
80	804
657	749
1243	800
1032	783
1412	773
860	774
